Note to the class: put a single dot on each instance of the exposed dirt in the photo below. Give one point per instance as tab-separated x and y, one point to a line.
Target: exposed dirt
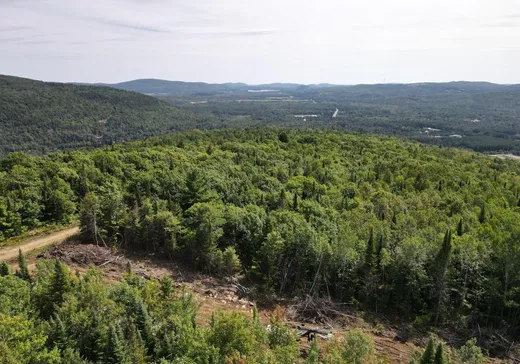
11	252
212	293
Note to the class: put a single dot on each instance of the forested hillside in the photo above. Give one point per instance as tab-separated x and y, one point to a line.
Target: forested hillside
39	117
426	233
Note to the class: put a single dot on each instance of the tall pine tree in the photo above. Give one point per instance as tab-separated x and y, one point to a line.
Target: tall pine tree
115	349
440	268
144	325
428	356
439	355
60	282
23	271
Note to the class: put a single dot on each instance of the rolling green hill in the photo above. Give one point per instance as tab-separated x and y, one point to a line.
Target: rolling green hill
39	117
154	86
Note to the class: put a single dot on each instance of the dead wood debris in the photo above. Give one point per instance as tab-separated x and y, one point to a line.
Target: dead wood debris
318	310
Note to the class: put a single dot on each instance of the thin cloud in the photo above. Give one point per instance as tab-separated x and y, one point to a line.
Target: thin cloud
106	40
57	10
238	33
77	42
504	24
121	39
11	39
36	42
369	27
127	25
15	28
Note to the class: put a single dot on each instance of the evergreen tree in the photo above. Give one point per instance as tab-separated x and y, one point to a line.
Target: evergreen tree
460	228
23	269
94	339
283	137
59	332
482	216
295	201
369	253
428	356
4	269
441	266
115	349
439	355
60	282
231	262
379	250
166	287
136	351
281	200
144	325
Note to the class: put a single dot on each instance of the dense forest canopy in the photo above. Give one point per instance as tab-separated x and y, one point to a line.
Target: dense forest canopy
428	233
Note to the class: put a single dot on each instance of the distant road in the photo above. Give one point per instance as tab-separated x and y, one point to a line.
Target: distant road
335	113
11	252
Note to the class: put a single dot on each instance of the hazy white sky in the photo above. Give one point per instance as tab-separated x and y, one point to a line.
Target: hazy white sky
305	41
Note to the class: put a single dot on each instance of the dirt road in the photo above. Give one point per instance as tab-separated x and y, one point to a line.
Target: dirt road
11	252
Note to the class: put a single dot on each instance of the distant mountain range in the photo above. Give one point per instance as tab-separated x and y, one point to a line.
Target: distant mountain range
157	87
164	87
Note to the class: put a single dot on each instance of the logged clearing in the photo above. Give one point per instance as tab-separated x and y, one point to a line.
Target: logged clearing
211	293
214	294
11	252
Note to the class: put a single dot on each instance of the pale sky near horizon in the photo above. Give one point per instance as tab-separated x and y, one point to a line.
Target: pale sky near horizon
303	41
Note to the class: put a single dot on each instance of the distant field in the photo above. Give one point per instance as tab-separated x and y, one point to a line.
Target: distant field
507	156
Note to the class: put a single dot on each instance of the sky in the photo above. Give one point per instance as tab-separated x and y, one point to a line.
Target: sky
302	41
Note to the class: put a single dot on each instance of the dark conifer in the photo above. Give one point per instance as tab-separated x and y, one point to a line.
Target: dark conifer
428	356
115	350
23	271
460	229
4	269
439	355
